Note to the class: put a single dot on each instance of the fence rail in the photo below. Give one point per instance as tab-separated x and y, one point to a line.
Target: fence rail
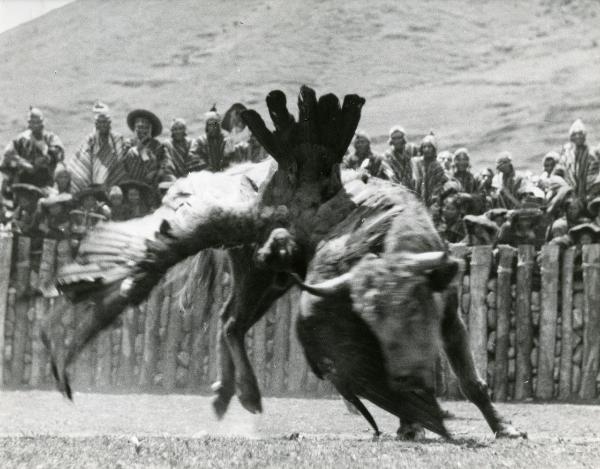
533	319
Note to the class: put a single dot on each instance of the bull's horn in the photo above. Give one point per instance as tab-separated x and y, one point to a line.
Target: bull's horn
325	289
428	260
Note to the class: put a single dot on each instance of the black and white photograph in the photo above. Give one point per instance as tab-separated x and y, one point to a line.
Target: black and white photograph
299	234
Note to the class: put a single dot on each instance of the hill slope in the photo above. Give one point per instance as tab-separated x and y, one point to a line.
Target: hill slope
490	75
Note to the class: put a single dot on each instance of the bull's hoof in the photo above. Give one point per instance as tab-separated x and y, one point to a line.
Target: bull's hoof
220	406
248	393
410	432
251	404
62	381
508	431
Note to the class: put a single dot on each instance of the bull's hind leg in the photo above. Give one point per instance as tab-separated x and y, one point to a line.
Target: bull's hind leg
456	345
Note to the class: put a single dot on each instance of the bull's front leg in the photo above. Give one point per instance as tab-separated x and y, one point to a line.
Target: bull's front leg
456	345
224	387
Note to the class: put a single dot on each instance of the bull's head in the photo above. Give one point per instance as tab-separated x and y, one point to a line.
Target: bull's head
394	295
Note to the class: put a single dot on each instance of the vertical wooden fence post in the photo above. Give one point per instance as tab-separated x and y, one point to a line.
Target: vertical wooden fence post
173	338
481	262
151	325
506	255
259	351
297	362
459	251
591	321
281	343
5	263
46	274
524	326
566	350
548	316
22	306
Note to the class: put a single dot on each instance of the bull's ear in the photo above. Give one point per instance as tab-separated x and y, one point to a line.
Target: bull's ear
441	276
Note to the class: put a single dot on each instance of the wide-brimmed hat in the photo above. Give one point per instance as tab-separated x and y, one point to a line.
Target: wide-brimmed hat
145	189
594	205
97	190
533	214
56	199
471	221
578	230
27	188
226	123
145	114
496	212
557	202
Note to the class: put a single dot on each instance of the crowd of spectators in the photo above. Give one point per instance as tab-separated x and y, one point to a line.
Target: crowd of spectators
560	205
48	193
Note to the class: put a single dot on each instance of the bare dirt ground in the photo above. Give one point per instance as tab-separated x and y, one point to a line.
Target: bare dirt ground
492	75
40	429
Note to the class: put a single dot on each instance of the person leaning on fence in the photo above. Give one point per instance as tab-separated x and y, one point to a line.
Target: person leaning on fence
567	210
480	231
54	219
146	160
580	166
26	197
520	228
507	182
138	198
116	201
33	154
93	202
99	160
454	207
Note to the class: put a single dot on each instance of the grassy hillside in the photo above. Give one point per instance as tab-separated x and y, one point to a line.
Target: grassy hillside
490	75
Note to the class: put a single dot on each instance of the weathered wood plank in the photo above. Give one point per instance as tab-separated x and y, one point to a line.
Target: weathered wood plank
566	351
460	251
173	339
524	326
548	316
259	351
591	322
481	262
6	240
20	337
150	347
297	363
281	344
46	274
127	352
506	255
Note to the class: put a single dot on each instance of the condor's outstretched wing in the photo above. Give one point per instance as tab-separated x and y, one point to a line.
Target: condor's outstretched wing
203	210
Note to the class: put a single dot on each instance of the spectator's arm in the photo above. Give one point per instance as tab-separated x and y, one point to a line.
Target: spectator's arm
198	157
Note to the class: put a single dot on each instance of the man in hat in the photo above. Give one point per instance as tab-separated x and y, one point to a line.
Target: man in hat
99	160
521	228
507	182
26	197
178	147
360	154
146	160
430	174
567	211
53	215
93	201
32	156
397	160
462	173
579	164
214	150
481	231
137	198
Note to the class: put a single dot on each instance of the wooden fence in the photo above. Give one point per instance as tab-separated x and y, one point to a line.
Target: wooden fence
533	319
